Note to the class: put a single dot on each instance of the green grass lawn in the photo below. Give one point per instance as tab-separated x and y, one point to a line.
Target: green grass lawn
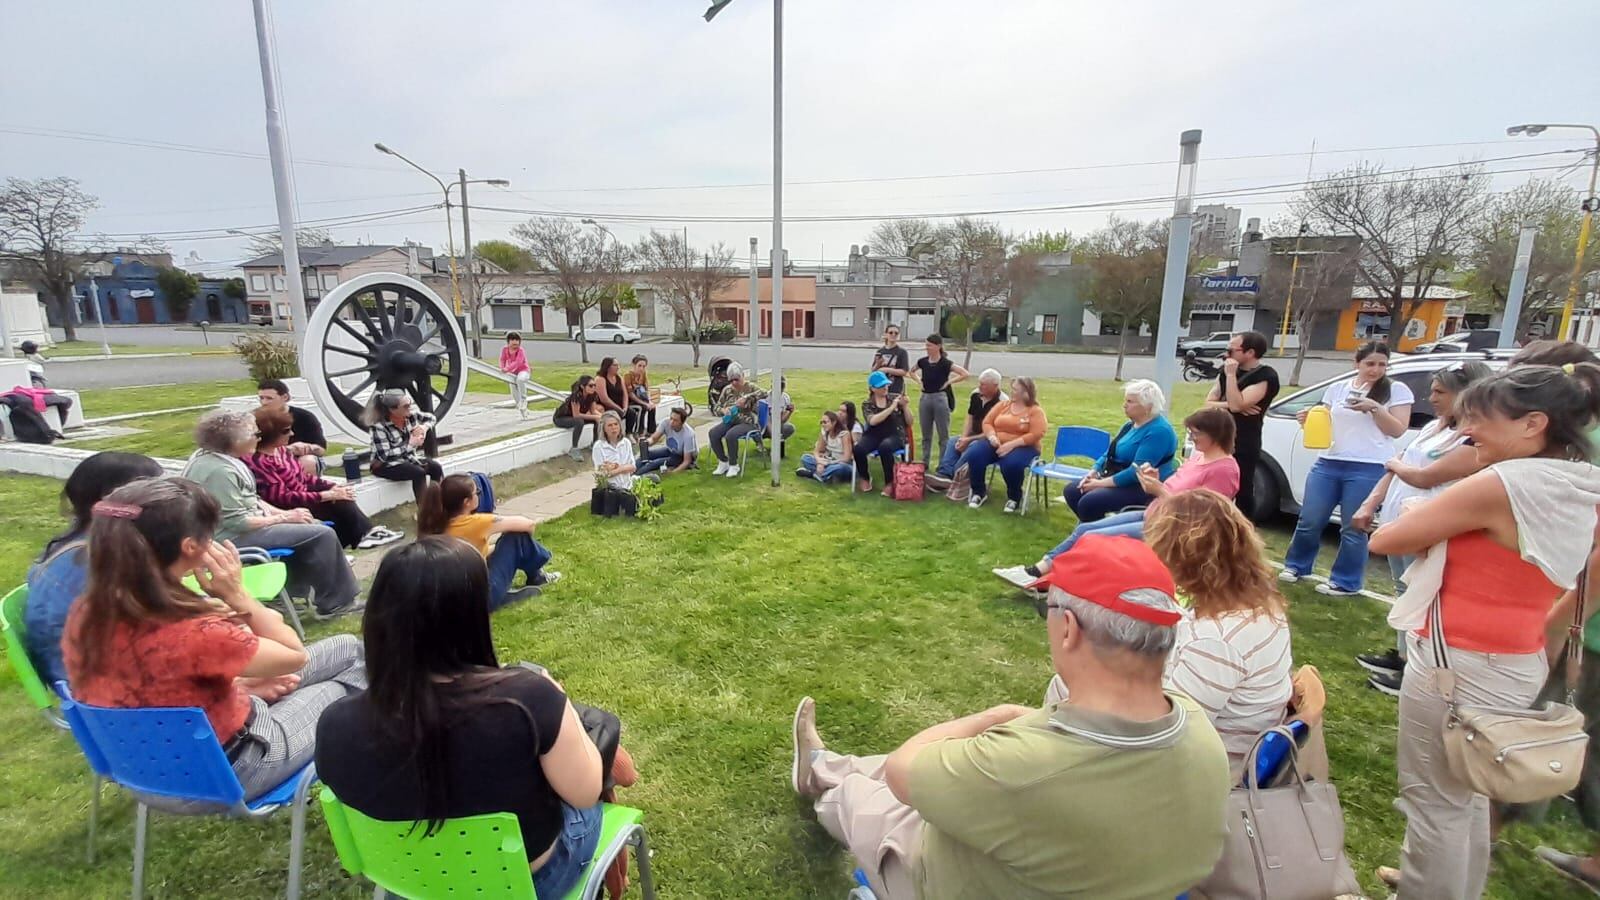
701	631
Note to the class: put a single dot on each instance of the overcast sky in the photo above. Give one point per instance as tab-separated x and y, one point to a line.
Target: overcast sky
584	104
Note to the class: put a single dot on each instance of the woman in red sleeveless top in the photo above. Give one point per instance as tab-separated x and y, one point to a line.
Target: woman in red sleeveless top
1514	537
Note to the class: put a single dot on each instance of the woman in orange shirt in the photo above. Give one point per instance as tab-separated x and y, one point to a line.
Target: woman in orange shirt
1513	538
1012	431
450	507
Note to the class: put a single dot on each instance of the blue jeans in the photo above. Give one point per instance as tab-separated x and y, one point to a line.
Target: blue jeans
949	460
657	458
1334	483
1127	524
831	472
575	847
516	551
980	455
1097	504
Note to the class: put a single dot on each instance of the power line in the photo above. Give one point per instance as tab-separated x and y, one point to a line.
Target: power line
329	221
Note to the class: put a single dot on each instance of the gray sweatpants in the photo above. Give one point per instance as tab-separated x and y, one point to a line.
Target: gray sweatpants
933	411
317	568
1446	851
281	737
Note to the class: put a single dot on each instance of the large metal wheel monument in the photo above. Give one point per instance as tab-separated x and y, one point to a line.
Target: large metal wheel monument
379	332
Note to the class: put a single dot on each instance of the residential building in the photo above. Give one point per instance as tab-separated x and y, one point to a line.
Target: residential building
878	291
1053	311
732	304
1216	230
1327	270
130	294
324	268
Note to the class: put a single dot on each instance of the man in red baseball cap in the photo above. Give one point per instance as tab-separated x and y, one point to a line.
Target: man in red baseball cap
1118	791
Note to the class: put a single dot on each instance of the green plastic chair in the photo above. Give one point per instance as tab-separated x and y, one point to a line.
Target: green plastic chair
476	855
264	581
41	697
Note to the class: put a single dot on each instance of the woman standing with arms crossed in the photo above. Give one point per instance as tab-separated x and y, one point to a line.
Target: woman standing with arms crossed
1369	411
937	374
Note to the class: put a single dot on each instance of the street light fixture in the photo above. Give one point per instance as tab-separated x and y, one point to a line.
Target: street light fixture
1589	204
449	226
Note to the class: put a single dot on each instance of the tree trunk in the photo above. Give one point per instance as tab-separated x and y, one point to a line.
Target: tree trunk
1122	348
1302	341
967	362
583	345
64	312
694	347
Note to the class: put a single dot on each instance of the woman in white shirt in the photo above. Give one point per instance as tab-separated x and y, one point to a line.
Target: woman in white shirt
612	454
1438	457
1369	411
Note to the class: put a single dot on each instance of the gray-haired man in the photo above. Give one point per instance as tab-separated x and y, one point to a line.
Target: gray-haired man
1117	791
982	400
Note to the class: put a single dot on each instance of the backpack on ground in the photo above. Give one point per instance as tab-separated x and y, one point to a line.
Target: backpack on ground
485	492
960	489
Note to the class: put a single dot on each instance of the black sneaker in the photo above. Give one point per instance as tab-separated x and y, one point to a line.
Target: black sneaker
1387	682
354	606
1388	662
802	472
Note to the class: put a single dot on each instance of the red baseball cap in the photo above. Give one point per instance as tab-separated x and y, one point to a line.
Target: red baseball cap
1101	568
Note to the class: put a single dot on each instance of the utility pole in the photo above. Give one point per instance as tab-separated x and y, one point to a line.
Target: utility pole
1518	286
775	405
99	318
282	181
472	278
755	308
1177	273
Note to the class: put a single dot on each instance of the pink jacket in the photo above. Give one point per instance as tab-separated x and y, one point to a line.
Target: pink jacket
513	362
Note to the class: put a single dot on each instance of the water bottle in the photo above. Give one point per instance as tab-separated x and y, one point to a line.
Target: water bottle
1318	428
352	466
1274	753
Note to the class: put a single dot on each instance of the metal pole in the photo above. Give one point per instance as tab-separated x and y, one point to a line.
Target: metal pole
1177	262
1519	284
94	293
1583	244
472	278
755	308
278	151
775	406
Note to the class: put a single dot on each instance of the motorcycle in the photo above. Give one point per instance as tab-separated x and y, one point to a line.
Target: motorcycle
1197	368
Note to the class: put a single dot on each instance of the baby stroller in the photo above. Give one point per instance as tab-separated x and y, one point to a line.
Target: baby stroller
718	370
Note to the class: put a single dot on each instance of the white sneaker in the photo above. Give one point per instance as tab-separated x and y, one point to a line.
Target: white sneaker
1288	577
378	537
721	469
550	577
1328	588
733	471
976	500
1011	506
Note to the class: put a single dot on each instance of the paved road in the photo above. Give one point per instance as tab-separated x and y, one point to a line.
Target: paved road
114	372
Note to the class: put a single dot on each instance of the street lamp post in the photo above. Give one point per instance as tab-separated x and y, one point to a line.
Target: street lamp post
1589	204
1519	284
1177	261
473	305
449	226
775	406
278	152
755	307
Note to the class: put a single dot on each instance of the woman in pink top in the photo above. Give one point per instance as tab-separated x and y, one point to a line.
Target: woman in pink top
1211	465
1513	537
514	362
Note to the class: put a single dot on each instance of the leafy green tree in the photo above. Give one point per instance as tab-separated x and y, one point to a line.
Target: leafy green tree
506	255
180	288
1553	208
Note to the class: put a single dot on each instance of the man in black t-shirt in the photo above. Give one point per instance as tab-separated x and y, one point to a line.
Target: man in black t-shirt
983	399
1246	387
306	441
892	360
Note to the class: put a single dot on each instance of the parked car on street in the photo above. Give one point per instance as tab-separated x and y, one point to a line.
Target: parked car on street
1285	460
1463	342
611	332
1213	344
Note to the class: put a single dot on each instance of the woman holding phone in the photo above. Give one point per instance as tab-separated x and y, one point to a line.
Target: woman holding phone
1369	410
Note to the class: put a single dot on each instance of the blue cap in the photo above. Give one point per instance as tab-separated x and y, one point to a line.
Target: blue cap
877	380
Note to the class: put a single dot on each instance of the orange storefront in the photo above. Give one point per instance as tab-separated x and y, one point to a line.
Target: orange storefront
1367	319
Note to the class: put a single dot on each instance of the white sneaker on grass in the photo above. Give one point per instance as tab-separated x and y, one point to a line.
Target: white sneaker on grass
1330	589
721	469
976	500
733	471
1010	507
1288	577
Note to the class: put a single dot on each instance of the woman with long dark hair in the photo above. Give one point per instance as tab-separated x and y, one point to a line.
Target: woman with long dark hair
581	409
60	574
613	392
445	732
139	638
1497	549
450	508
1369	411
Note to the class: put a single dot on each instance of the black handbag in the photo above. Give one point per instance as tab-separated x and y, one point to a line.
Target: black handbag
602	726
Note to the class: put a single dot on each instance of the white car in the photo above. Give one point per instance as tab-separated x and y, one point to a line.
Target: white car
611	332
1285	460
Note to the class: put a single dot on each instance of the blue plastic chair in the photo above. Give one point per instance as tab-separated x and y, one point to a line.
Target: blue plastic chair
1071	440
763	420
172	754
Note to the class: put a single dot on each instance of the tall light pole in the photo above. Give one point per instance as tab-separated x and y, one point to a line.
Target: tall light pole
1177	261
473	306
755	307
278	152
449	226
1518	285
1589	204
776	405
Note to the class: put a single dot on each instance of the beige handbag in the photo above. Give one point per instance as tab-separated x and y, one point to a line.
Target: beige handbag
1515	755
1284	843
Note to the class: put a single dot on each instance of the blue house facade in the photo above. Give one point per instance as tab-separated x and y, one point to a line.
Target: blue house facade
130	295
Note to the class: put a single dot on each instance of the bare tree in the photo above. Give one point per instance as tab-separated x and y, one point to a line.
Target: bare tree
685	278
272	242
39	221
1321	282
1553	208
910	238
585	265
975	273
1413	226
1127	261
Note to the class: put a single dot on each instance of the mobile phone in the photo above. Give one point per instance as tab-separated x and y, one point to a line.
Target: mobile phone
1355	396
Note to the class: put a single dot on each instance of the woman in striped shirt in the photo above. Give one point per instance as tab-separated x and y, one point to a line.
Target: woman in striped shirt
283	482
